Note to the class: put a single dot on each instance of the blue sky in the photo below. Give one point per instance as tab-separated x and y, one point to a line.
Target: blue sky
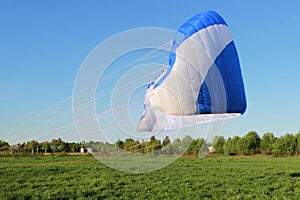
43	43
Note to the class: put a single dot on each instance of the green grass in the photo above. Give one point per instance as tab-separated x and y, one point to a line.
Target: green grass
83	177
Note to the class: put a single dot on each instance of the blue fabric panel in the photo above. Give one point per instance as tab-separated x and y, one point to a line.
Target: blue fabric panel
229	68
204	101
192	26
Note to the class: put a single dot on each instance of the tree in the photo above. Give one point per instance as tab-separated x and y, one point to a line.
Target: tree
74	147
235	144
63	147
120	144
4	146
156	145
175	147
228	146
129	144
46	147
195	146
185	143
285	145
137	146
32	146
267	143
298	143
218	144
166	141
21	147
152	138
153	145
231	146
54	145
249	144
66	146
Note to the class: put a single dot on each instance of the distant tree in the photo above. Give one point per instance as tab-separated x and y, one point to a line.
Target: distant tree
46	147
147	147
228	146
63	147
185	143
166	141
74	147
204	150
298	143
254	142
21	147
103	148
243	146
67	147
157	145
195	146
4	146
55	145
120	144
235	142
152	145
285	145
249	144
267	143
129	144
152	138
218	144
137	147
231	146
175	147
32	146
167	149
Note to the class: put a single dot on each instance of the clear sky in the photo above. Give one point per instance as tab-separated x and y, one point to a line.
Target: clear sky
43	43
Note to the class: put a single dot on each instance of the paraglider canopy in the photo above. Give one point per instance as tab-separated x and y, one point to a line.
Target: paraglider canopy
203	81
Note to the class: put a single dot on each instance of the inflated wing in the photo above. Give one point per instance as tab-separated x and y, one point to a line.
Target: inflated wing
203	82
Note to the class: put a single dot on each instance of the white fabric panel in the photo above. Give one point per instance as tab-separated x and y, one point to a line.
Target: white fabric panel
157	120
179	91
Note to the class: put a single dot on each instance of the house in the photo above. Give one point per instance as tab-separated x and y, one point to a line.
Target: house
86	150
211	149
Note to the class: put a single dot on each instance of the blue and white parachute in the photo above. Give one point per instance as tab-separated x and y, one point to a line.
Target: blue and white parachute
203	82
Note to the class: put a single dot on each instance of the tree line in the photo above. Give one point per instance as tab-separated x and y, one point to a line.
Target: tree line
250	144
187	145
35	147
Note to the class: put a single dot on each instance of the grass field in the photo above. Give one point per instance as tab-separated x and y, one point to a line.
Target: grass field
83	177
